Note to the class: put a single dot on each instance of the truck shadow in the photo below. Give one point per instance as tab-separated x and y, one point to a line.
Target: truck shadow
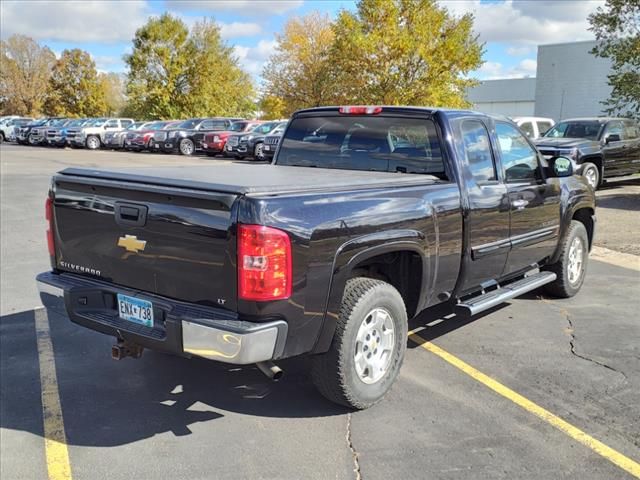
623	201
440	320
110	403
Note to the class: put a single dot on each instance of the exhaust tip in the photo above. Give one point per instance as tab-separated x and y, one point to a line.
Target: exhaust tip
271	370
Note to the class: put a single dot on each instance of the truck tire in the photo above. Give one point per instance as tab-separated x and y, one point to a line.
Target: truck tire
368	346
31	141
2	139
92	142
591	174
186	147
571	266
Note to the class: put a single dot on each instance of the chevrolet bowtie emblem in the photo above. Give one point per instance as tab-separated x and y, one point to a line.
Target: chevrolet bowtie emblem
131	243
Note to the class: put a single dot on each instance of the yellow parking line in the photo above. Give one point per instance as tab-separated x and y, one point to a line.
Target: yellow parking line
55	440
600	448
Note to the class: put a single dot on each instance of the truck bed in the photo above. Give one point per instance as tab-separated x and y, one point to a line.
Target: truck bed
243	179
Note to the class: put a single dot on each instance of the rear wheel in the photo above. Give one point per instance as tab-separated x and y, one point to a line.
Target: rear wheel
186	147
571	267
368	346
92	142
31	140
591	174
2	139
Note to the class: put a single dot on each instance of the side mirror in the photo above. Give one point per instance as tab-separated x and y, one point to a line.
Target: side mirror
561	167
613	137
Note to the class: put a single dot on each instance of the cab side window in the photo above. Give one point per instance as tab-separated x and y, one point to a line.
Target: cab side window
527	128
614	128
519	159
477	148
631	130
543	127
111	124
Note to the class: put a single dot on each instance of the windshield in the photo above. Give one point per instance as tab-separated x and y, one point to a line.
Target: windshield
58	123
98	122
383	144
189	124
238	126
155	126
76	123
264	128
589	129
135	126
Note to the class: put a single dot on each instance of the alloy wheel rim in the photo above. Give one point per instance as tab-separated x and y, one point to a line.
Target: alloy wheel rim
590	175
93	144
259	152
576	261
375	344
186	148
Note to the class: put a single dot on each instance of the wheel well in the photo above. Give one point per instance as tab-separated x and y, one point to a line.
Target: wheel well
585	216
402	269
597	161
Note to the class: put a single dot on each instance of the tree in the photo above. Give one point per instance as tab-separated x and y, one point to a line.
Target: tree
272	107
112	85
217	84
299	72
174	73
74	87
410	52
158	67
25	67
617	29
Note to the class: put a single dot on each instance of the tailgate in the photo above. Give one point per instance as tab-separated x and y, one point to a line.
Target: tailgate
168	241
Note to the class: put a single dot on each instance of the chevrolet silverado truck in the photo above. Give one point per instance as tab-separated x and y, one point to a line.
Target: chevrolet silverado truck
92	134
57	135
599	147
366	217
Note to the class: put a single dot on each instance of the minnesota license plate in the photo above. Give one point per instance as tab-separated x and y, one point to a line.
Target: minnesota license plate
266	148
135	310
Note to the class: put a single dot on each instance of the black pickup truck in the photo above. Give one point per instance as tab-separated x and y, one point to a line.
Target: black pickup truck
366	217
599	147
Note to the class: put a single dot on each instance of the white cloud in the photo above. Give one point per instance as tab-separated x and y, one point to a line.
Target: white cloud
528	22
519	51
108	63
245	8
239	29
74	21
252	59
496	70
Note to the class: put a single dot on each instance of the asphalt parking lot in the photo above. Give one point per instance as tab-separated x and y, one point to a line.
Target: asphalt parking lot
165	417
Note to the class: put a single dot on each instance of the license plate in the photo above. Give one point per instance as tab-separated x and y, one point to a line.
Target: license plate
135	310
266	148
128	142
157	145
229	148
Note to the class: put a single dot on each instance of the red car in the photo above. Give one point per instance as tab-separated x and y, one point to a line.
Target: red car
214	142
139	140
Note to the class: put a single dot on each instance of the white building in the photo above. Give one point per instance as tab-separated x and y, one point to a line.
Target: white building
569	82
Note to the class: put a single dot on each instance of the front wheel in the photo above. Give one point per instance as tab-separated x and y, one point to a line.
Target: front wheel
187	147
92	142
591	175
571	267
368	346
258	152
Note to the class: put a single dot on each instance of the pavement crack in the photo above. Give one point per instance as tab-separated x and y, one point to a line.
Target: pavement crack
354	453
572	344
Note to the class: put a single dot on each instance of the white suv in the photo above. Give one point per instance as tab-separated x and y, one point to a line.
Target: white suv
91	135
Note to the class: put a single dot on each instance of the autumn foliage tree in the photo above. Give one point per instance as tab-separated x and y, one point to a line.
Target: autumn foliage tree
174	73
617	28
75	89
299	73
405	52
25	68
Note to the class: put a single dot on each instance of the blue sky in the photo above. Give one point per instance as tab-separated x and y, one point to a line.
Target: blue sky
512	29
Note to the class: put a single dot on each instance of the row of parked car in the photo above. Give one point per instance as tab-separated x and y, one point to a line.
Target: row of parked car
230	137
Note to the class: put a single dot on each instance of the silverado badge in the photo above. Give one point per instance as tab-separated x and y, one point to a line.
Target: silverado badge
131	243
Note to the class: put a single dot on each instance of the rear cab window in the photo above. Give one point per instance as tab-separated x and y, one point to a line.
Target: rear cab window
381	143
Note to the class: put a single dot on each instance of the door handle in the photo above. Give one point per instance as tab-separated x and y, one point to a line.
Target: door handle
130	215
520	203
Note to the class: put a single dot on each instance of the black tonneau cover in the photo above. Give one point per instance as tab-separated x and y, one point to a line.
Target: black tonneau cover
254	179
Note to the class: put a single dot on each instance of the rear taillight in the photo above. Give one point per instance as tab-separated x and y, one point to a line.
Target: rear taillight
48	213
264	263
360	110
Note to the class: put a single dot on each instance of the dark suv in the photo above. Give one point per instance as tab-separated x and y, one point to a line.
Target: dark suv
250	144
188	136
599	147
